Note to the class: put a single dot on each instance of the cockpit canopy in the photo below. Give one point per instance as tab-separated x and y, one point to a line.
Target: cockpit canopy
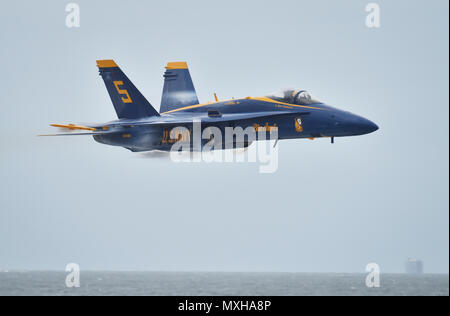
292	96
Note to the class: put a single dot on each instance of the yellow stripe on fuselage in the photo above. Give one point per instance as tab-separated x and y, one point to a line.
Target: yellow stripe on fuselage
269	100
189	107
234	101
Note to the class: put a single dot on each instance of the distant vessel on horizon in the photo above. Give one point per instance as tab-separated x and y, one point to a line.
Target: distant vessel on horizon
414	266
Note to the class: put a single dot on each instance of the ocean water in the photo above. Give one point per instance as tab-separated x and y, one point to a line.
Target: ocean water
227	284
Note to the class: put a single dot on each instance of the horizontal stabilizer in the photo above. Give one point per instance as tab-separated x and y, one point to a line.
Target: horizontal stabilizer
74	127
78	134
100	130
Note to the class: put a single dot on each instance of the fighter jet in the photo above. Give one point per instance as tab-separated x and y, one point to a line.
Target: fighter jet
292	113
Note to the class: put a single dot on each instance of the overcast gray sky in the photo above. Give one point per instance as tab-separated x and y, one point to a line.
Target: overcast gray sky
377	198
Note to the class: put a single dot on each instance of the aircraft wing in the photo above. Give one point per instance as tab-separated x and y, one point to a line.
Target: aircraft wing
246	116
202	117
205	118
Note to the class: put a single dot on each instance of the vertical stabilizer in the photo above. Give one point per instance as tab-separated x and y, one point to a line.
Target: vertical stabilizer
178	88
126	98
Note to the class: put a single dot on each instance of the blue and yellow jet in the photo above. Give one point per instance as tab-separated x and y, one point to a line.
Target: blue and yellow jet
140	127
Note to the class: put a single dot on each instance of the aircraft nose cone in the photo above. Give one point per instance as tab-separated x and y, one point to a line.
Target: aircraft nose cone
366	126
358	125
349	124
371	126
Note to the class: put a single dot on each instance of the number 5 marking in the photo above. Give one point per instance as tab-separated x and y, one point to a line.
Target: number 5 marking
123	92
